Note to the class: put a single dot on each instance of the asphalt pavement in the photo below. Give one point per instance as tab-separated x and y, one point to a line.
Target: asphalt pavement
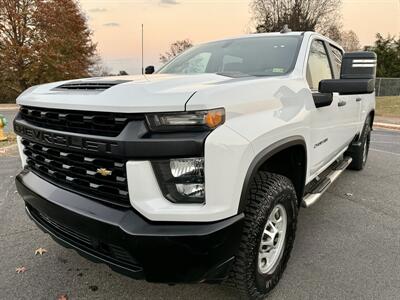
347	245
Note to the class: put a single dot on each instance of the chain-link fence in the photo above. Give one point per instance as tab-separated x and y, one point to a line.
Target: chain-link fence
387	86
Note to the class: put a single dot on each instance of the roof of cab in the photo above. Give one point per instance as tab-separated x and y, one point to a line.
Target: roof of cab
259	35
307	34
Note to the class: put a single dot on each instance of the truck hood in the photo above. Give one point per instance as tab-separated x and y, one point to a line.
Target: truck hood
154	93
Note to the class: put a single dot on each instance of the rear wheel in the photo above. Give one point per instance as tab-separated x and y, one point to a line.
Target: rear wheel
359	153
268	235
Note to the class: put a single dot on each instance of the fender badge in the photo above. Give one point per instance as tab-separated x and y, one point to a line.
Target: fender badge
104	172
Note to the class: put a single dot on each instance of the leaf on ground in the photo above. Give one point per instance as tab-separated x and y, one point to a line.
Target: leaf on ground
20	270
62	297
40	251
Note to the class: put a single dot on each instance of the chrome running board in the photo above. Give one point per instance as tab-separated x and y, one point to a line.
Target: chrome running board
312	197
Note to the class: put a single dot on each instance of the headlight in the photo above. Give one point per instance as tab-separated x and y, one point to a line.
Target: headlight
181	180
184	121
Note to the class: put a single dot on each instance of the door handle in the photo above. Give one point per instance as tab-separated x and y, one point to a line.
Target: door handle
342	103
358	99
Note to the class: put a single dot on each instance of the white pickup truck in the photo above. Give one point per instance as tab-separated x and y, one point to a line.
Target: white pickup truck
196	173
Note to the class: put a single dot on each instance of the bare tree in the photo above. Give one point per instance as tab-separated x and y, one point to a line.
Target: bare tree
300	15
334	32
99	68
347	39
350	41
175	49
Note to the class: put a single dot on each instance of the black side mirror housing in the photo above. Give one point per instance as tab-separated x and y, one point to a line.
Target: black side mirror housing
149	70
347	86
358	65
357	75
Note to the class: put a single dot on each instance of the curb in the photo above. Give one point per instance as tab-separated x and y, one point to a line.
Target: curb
387	126
8	107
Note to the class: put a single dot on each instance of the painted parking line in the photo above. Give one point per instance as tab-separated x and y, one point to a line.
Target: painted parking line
383	151
378	142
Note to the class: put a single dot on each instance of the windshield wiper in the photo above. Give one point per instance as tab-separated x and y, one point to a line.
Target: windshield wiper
233	74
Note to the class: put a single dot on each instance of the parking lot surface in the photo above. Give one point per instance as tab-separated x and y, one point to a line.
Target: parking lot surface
347	245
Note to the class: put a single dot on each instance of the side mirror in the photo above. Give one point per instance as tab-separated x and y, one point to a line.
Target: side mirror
149	70
358	65
357	75
347	86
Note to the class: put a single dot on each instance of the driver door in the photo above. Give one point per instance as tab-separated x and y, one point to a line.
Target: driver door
325	135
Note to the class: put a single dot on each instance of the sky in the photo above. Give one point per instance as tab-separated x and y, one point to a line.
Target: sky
116	25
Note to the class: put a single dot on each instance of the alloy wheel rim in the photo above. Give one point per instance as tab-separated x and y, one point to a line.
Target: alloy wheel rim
272	240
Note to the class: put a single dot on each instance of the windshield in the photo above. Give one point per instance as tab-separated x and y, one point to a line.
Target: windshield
258	56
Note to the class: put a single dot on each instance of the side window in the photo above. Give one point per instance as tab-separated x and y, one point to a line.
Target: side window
337	59
318	67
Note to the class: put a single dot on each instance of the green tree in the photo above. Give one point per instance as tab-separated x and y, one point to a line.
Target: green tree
42	41
388	52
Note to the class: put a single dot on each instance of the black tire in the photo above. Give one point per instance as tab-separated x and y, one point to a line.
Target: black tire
359	153
266	191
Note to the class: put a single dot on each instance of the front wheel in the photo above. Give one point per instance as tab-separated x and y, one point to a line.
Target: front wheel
268	235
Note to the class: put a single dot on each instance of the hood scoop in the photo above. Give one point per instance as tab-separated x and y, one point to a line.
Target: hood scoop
90	85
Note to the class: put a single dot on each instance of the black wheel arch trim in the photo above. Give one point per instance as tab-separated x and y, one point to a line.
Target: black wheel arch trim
357	139
263	156
372	115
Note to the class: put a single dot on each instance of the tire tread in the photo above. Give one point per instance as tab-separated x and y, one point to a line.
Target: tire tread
263	191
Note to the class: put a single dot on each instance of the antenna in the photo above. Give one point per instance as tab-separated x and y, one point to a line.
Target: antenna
142	53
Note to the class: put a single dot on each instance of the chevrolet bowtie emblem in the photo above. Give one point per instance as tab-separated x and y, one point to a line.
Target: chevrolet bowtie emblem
104	172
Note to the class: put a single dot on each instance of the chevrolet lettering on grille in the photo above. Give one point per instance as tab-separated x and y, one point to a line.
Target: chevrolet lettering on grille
72	142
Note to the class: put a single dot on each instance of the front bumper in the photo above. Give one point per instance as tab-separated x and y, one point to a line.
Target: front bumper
168	252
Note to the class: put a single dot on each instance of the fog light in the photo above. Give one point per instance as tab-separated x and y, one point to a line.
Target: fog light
181	180
191	190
